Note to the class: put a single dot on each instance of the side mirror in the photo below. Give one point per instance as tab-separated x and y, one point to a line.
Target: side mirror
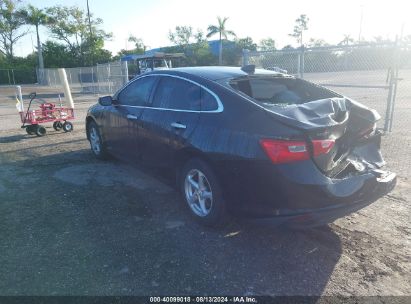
105	101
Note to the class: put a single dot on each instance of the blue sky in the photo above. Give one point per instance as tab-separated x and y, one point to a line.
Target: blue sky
152	19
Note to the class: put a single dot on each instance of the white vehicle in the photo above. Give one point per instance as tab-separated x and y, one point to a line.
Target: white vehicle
155	61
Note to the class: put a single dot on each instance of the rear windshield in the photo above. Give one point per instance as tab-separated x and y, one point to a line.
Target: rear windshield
280	91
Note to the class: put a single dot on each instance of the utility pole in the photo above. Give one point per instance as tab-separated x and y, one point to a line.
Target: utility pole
360	32
91	35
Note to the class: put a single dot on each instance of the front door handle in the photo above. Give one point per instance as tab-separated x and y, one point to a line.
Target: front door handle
178	125
130	116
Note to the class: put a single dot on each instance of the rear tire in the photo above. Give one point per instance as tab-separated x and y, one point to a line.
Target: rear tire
67	126
96	142
202	193
31	129
57	125
40	131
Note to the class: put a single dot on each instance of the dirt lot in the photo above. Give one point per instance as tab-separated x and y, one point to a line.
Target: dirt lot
72	225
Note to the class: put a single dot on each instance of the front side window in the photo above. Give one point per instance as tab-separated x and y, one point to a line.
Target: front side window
177	94
137	93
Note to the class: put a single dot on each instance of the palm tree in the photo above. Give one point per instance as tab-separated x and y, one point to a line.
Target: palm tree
347	40
36	17
223	32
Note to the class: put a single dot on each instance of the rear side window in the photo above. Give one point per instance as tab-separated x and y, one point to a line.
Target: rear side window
177	94
137	93
208	102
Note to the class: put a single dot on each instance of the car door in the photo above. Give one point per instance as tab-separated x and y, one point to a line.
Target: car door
125	117
170	119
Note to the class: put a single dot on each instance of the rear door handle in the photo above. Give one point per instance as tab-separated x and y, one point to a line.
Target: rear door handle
178	125
130	116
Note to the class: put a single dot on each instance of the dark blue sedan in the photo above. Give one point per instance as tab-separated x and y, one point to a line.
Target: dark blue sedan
248	142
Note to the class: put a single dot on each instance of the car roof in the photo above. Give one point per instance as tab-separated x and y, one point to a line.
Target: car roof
218	72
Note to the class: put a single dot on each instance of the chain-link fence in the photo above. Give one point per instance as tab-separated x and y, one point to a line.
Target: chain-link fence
376	75
101	79
17	76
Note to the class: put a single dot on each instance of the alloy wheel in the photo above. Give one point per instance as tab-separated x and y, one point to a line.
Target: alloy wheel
95	140
198	193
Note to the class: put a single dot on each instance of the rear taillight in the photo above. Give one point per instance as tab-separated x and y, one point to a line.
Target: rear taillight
322	146
285	151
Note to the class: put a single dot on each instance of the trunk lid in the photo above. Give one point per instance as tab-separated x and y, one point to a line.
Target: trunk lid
346	122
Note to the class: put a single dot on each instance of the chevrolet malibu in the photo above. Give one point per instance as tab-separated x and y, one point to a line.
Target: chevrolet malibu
247	142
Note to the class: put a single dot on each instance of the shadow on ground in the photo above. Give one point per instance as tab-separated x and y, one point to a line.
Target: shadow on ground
72	225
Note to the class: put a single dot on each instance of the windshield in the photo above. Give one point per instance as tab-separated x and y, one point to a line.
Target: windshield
280	90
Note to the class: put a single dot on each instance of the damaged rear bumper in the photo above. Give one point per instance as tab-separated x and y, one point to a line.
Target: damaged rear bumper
373	189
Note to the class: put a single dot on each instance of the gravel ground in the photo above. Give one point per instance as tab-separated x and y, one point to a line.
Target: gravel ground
72	225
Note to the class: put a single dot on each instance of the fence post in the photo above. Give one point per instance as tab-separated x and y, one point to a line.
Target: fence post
389	101
109	78
301	63
55	79
246	58
392	89
98	79
125	72
92	80
40	76
397	52
12	73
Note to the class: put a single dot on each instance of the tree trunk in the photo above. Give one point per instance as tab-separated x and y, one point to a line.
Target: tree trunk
301	39
10	48
220	52
40	57
11	55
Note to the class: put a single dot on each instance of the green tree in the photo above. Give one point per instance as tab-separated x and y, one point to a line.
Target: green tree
58	55
313	42
267	44
288	47
245	43
71	26
347	40
10	27
192	43
200	51
301	25
234	51
36	17
381	39
184	36
139	46
223	32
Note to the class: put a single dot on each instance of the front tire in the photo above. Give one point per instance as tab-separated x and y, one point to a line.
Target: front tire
67	126
31	129
96	142
202	193
40	131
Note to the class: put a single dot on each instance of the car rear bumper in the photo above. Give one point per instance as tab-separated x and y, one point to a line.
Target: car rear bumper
383	183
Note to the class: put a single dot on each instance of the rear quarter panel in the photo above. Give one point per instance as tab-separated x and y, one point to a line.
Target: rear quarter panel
230	140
